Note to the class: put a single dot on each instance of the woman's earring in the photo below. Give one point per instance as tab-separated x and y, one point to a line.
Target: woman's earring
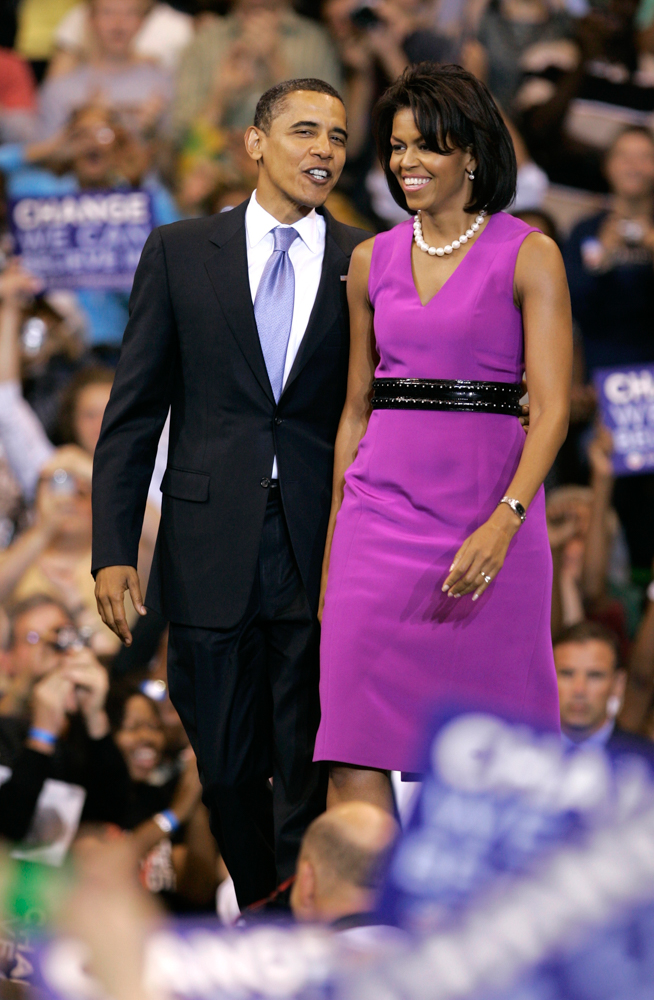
471	176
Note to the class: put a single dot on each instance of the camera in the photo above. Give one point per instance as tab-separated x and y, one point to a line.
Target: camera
68	637
365	17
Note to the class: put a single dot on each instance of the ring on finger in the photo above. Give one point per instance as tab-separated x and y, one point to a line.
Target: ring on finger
485	577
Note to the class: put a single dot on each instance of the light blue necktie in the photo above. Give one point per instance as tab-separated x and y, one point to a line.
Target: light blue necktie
273	306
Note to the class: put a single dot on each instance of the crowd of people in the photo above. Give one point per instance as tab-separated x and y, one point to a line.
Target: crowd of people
135	94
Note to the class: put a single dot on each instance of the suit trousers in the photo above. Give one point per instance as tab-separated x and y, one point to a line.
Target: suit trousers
248	699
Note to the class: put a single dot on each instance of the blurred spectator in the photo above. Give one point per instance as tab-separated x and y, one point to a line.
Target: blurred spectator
39	346
609	260
94	151
514	36
113	916
341	866
161	38
53	556
603	66
83	406
37	21
170	824
61	730
114	76
233	59
17	99
591	567
27	447
637	714
32	650
376	43
532	182
591	689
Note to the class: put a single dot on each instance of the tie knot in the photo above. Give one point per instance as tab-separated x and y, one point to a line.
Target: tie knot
284	237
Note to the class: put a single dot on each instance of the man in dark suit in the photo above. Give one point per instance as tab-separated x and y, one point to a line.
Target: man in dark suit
591	688
238	323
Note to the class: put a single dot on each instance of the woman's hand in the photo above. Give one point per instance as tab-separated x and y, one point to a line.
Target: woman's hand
482	555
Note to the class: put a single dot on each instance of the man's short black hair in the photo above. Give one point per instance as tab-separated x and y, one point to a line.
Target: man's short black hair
452	110
271	103
590	631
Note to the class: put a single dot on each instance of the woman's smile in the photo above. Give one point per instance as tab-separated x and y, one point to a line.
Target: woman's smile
412	182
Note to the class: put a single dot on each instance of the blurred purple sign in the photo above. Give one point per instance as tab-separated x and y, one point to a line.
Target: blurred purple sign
88	240
626	402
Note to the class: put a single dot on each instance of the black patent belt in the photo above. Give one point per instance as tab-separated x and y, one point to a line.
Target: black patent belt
445	394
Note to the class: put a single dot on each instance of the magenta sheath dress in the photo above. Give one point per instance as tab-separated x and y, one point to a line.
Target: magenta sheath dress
394	647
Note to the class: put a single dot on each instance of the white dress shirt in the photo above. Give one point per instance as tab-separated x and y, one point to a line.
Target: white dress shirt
306	256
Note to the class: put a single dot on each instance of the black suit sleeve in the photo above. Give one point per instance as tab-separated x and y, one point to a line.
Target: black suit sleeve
135	415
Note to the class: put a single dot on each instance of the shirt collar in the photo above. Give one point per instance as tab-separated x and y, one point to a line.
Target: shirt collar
259	222
597	739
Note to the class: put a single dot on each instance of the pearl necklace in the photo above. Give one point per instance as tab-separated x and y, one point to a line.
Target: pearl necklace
454	245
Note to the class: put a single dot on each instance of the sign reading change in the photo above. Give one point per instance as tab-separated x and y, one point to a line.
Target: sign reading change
87	240
626	402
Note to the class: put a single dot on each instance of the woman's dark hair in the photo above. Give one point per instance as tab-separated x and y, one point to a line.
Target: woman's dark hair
452	110
93	375
119	694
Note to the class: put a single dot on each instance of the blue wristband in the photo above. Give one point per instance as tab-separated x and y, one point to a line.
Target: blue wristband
42	735
172	819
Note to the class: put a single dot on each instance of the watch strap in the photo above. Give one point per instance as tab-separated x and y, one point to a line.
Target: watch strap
516	507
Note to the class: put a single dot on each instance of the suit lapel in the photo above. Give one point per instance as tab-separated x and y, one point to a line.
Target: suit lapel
228	272
327	305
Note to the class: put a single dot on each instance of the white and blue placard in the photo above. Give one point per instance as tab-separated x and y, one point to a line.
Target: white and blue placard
92	239
625	398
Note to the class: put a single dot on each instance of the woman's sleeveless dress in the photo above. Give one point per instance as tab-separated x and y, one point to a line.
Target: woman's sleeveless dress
394	647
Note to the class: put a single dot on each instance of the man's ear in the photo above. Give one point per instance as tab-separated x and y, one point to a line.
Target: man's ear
254	138
619	685
303	895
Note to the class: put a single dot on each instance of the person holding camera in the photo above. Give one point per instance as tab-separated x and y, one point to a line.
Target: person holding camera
53	723
54	554
609	260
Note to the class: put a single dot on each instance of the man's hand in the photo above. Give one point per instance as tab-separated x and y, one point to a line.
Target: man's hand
111	583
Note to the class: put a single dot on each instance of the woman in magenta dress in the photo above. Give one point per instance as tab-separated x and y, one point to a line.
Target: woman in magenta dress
437	568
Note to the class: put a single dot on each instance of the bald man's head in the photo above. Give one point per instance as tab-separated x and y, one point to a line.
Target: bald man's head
341	862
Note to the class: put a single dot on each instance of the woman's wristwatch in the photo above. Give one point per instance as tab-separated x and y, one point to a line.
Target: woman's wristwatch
516	507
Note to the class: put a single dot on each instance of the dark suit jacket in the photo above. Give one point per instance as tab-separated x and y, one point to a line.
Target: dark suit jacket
191	343
622	743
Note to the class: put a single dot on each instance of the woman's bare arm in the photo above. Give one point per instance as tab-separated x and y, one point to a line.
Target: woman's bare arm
356	412
541	292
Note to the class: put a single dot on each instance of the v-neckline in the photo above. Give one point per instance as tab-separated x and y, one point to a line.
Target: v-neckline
423	305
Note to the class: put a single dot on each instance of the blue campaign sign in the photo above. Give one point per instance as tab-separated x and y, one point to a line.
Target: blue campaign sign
527	873
626	402
88	240
199	960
